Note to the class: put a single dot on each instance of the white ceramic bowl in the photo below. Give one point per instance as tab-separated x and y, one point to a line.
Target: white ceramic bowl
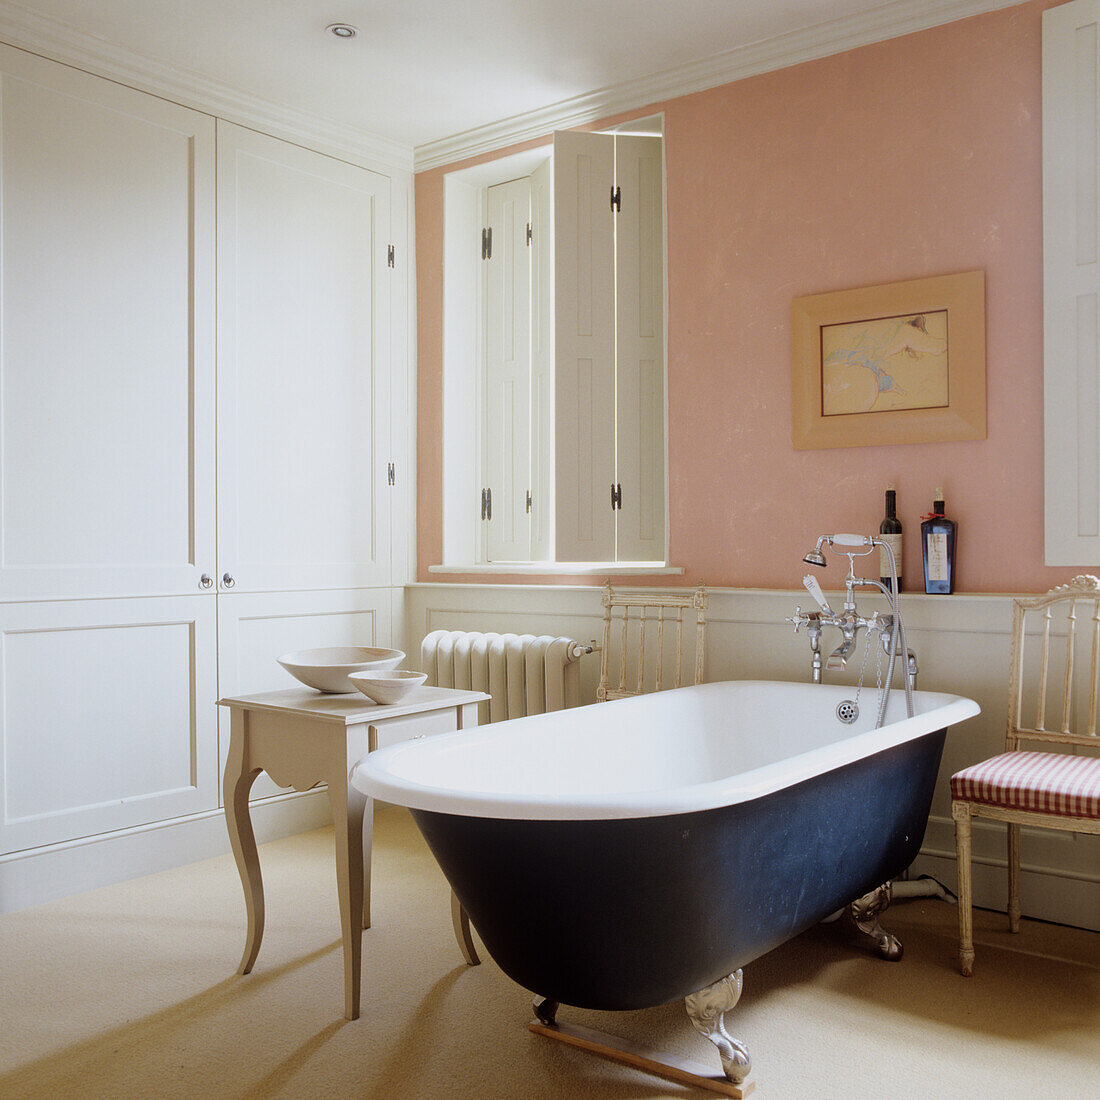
387	686
327	669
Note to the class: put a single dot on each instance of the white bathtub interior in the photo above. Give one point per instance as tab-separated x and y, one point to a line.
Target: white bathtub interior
668	752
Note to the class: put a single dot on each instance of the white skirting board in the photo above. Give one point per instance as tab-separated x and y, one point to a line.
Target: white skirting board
962	644
43	874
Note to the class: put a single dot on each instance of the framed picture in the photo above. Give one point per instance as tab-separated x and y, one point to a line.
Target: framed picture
898	363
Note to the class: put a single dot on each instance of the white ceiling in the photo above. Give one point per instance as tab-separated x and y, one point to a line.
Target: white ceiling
421	71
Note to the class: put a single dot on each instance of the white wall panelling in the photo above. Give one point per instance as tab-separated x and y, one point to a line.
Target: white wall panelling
256	628
107	358
962	643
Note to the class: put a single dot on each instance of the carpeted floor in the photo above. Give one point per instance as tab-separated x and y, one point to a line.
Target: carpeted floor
130	991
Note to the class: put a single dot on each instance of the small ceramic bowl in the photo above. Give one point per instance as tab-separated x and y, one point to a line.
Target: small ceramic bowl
387	686
327	669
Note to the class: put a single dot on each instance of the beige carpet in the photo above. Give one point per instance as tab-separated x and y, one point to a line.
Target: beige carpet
130	991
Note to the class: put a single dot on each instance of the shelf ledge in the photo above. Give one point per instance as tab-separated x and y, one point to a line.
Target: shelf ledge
545	568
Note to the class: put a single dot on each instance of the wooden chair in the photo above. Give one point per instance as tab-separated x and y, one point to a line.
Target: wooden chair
1045	787
632	644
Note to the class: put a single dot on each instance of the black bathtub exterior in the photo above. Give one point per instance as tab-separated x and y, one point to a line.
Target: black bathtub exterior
628	914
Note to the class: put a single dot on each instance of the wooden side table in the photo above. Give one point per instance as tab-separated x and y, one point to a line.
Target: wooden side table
302	738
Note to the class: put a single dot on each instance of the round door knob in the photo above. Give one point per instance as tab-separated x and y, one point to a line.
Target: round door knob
227	580
205	581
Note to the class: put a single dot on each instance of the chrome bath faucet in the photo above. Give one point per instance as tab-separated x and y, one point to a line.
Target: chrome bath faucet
889	627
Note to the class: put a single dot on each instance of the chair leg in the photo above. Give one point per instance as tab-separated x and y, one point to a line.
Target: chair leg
960	811
1013	877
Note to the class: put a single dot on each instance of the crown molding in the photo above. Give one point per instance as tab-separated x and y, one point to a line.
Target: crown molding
59	41
892	20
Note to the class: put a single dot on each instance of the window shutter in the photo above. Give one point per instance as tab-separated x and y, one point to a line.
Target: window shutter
1071	47
584	384
640	349
508	372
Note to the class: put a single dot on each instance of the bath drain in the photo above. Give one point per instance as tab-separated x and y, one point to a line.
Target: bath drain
847	712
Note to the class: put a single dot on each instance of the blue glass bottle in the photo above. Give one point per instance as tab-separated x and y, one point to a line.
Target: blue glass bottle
937	536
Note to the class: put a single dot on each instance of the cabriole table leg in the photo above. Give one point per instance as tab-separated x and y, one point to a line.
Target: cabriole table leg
236	785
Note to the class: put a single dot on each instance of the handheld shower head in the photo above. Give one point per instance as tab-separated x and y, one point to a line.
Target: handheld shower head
849	543
815	556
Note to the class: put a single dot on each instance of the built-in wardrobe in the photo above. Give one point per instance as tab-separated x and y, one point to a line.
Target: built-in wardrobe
203	456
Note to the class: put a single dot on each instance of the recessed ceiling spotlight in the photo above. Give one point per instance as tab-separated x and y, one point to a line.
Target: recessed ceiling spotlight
342	30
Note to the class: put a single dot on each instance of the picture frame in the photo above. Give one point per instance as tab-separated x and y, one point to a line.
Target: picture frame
897	363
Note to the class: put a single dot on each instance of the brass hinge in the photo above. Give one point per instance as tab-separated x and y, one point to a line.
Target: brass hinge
487	243
487	504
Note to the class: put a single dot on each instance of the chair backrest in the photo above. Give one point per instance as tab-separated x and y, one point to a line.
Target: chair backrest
1048	684
642	611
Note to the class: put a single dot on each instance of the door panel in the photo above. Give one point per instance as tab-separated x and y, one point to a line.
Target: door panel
303	367
108	715
106	315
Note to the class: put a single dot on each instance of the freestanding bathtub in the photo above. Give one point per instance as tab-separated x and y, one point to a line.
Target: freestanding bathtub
622	855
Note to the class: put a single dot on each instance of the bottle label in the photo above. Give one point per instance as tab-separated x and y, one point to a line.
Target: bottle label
894	542
937	557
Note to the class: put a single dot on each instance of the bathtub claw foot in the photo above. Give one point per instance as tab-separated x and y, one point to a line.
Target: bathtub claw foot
866	911
706	1010
547	1011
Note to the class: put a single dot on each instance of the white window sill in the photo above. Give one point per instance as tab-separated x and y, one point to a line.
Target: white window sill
582	568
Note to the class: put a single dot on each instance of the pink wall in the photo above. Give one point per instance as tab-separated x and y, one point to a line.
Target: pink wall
914	157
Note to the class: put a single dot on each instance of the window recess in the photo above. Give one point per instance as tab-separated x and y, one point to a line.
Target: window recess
554	355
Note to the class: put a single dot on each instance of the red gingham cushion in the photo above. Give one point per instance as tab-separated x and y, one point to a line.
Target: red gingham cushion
1042	782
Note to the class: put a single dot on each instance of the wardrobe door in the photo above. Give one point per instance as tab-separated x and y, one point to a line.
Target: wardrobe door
106	337
303	368
107	718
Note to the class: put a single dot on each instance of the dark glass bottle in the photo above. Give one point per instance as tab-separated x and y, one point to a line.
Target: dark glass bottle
890	532
937	536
